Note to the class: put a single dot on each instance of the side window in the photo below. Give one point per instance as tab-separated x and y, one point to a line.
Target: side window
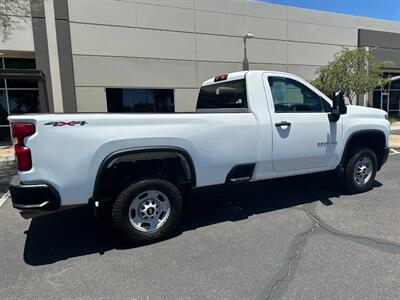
325	104
291	96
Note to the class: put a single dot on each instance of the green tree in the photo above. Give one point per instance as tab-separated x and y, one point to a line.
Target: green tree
354	72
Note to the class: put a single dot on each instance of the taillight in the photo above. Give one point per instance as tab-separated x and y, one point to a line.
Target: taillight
22	153
221	77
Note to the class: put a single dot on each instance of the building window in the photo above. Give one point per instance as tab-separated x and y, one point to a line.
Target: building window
19	63
17	96
140	100
387	97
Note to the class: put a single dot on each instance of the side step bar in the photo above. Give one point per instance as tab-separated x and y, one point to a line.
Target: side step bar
240	173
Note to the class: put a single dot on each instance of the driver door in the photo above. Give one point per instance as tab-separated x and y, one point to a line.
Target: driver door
303	137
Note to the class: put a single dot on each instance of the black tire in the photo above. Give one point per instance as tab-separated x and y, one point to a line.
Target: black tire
121	212
349	175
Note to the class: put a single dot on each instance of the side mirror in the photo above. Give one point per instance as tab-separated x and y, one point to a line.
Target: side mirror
338	107
339	103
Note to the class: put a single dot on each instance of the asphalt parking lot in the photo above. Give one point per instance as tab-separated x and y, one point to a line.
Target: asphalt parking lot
295	238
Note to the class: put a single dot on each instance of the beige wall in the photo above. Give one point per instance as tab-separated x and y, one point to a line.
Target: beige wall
91	99
180	43
21	35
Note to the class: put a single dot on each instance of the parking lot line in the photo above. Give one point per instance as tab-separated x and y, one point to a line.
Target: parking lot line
394	152
4	198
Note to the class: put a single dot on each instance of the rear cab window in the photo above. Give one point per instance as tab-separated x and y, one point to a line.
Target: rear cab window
226	96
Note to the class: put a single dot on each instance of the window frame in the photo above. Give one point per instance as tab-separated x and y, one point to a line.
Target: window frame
7	89
310	87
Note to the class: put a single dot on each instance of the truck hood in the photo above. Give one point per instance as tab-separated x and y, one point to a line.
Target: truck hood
362	111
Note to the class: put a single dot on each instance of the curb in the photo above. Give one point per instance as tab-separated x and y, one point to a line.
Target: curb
7	157
7	161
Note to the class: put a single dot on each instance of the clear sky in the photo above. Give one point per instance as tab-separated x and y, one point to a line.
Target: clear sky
381	9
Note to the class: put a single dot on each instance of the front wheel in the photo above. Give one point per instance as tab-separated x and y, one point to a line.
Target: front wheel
147	211
360	170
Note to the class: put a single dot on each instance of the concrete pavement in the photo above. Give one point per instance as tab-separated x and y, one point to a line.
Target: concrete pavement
295	238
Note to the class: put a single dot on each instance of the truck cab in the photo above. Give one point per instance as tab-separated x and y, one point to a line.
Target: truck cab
299	134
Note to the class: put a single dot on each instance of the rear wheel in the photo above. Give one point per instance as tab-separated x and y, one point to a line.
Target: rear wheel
147	211
360	170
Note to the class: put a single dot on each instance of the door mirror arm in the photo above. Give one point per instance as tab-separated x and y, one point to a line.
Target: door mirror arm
334	116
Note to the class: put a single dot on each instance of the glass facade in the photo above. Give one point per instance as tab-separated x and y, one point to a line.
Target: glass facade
139	100
17	96
388	97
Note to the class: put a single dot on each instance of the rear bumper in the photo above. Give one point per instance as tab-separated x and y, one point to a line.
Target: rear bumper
33	197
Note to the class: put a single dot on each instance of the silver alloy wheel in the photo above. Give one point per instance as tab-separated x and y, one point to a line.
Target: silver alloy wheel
363	170
149	211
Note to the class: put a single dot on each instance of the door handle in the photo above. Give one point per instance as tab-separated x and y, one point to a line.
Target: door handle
283	123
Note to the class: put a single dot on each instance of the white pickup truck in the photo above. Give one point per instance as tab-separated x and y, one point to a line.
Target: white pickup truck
139	168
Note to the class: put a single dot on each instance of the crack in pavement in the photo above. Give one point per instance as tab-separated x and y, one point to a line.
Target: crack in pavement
294	252
379	244
286	270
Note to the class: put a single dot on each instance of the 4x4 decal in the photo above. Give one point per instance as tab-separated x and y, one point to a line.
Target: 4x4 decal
69	123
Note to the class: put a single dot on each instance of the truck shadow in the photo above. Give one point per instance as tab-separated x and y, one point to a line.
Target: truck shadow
74	233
